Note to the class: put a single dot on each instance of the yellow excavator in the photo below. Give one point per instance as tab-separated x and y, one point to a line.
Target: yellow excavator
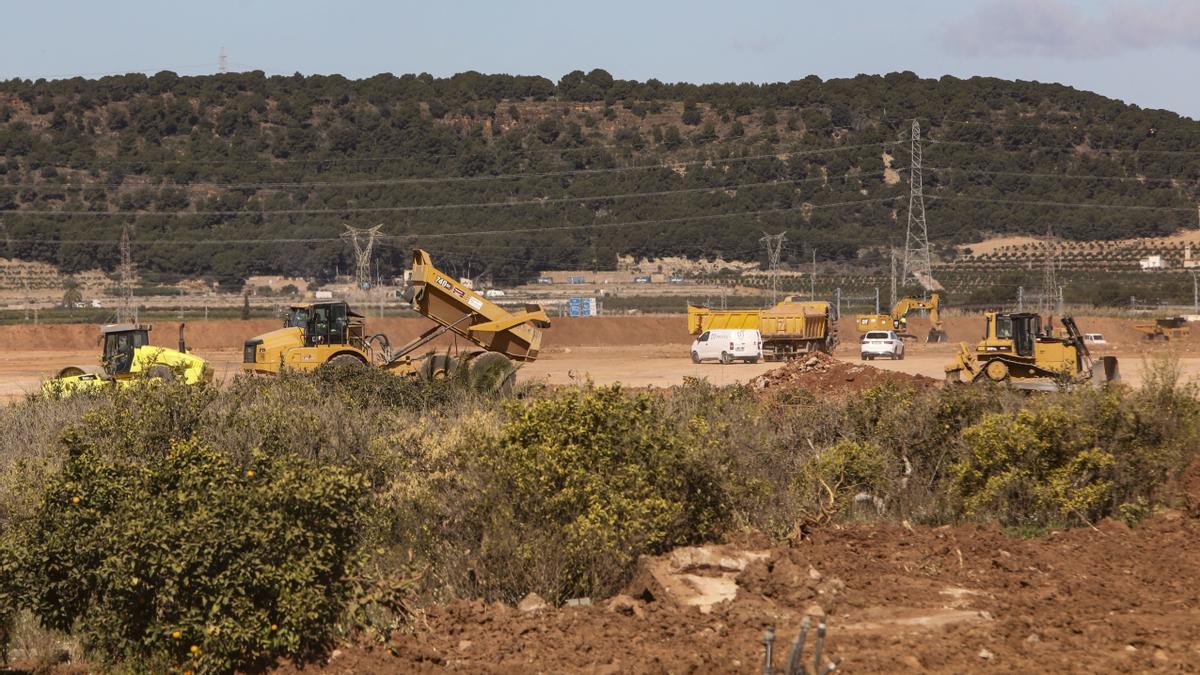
1016	350
331	333
898	319
128	357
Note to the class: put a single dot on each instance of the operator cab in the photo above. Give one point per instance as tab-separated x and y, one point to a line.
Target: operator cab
325	323
120	341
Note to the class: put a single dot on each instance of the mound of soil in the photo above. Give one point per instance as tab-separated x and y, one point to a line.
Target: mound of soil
820	372
942	600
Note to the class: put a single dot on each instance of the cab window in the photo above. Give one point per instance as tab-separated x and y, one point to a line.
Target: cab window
703	337
1004	328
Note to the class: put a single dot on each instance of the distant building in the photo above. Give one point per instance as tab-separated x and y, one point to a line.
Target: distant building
1152	262
1188	261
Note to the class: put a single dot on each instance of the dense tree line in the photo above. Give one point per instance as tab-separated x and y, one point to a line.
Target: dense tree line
229	175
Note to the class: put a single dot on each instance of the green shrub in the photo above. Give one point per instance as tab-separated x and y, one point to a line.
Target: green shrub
587	480
1034	466
165	552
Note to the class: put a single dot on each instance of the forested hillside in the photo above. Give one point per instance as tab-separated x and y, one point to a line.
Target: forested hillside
228	175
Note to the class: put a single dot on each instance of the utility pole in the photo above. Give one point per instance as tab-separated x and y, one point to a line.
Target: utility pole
222	62
893	299
838	295
812	280
1020	299
1195	294
916	240
876	299
774	244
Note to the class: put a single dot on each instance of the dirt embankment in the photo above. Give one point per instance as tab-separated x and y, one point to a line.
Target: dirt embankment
944	600
828	376
229	334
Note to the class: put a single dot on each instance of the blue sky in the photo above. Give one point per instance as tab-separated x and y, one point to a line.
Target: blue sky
1141	51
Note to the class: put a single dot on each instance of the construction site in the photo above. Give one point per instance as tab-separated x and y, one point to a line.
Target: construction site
504	374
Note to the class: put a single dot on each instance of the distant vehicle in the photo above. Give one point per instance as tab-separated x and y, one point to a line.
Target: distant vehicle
545	280
878	343
727	346
641	280
675	280
574	280
1095	338
493	293
323	295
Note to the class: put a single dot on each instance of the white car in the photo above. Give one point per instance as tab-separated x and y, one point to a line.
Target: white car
1094	338
727	346
878	343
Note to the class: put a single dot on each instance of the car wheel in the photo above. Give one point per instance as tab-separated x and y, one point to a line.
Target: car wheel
695	357
726	358
752	359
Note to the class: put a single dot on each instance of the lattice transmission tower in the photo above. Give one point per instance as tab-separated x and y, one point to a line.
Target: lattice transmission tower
126	309
363	241
774	244
916	241
1050	296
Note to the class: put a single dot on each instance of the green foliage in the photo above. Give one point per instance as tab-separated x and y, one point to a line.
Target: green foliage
308	146
170	552
599	473
1037	465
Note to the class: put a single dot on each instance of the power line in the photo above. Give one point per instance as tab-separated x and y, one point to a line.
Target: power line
540	201
463	179
1078	205
1064	176
383	238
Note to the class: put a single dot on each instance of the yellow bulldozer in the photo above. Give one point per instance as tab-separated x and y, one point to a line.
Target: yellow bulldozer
898	318
331	333
128	357
1016	350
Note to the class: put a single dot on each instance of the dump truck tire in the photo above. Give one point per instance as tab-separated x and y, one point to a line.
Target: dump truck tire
437	367
346	361
493	373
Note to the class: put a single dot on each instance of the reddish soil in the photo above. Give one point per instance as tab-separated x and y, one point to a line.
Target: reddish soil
824	374
944	600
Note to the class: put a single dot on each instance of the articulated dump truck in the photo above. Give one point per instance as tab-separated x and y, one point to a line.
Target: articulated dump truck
790	328
331	333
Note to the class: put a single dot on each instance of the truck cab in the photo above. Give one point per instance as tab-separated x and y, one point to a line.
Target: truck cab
311	335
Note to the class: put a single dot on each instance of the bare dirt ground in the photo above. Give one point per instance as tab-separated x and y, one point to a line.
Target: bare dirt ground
649	351
895	599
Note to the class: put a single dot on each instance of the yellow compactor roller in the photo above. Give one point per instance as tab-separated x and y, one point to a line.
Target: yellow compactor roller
1015	350
331	333
128	357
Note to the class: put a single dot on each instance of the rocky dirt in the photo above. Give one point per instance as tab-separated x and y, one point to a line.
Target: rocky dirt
824	374
894	597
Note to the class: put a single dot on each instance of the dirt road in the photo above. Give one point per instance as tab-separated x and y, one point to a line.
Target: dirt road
656	365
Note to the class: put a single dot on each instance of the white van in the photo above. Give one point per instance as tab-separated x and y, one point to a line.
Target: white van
727	345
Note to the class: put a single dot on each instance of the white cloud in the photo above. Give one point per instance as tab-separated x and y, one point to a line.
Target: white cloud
1063	29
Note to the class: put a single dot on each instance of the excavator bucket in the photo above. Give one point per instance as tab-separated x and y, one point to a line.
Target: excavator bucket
1105	369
